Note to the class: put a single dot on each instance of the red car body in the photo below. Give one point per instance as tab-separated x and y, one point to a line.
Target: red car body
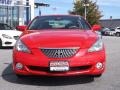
59	52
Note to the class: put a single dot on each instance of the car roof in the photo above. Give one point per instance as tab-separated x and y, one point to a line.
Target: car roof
61	15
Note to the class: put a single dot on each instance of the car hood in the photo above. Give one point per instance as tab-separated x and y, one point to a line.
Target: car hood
59	39
10	32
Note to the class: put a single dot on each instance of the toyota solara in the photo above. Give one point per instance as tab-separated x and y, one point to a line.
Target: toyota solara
59	45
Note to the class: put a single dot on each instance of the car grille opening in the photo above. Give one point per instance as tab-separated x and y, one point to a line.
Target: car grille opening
8	42
46	69
38	68
80	68
59	52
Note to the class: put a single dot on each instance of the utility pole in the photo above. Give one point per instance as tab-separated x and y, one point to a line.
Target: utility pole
27	12
111	23
85	12
54	9
85	6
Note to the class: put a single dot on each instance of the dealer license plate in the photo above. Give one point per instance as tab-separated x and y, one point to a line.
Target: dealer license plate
59	66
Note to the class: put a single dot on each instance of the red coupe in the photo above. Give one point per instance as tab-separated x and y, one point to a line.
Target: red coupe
59	45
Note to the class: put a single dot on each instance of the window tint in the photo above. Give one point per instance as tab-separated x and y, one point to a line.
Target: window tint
118	28
2	27
58	22
7	27
112	29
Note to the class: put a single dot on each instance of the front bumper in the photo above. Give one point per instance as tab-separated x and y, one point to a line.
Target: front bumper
8	42
83	63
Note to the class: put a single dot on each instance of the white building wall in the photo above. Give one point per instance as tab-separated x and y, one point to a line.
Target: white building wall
21	13
31	3
21	4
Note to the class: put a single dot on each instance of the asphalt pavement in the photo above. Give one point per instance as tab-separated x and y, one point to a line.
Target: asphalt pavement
110	80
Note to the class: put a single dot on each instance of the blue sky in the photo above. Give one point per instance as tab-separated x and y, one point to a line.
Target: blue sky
107	7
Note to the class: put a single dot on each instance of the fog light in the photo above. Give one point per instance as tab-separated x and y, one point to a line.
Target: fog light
99	65
19	66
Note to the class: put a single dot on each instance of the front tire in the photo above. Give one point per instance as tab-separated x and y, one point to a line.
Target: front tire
118	34
0	43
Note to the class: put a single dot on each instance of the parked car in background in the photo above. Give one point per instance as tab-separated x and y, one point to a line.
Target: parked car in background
8	35
117	31
104	30
110	32
59	45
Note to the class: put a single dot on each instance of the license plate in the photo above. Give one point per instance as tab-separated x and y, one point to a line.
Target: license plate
59	66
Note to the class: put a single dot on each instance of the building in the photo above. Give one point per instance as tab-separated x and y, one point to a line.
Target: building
16	12
110	23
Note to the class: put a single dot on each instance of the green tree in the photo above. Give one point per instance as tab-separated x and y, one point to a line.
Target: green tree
92	10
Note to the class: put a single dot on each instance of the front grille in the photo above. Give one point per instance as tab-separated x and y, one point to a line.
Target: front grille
80	68
60	52
38	68
8	42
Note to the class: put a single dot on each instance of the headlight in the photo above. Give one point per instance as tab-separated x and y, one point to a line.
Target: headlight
99	34
97	46
6	36
21	47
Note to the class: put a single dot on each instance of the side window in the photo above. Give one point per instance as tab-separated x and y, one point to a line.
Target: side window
34	24
7	27
84	24
118	28
112	29
2	27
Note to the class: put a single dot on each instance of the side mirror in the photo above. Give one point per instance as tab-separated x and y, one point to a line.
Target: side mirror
21	28
96	28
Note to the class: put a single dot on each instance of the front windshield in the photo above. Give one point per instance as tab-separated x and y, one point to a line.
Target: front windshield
58	22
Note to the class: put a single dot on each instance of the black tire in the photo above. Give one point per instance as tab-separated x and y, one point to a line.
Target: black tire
0	43
118	34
